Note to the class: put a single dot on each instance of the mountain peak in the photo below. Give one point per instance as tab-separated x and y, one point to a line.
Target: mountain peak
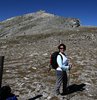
36	23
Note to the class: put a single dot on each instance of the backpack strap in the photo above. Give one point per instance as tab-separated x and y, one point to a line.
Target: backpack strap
61	56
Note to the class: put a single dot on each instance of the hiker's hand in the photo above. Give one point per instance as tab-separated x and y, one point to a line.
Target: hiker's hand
49	69
70	66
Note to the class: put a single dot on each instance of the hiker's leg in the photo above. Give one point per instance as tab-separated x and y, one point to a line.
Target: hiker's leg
64	81
59	77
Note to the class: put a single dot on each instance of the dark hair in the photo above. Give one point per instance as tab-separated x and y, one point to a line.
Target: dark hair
4	92
64	46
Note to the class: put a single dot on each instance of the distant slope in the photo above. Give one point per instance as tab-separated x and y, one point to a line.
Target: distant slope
36	23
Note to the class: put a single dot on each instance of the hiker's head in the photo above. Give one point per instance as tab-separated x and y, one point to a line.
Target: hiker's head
5	91
62	47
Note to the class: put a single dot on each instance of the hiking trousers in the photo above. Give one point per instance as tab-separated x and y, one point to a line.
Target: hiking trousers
61	78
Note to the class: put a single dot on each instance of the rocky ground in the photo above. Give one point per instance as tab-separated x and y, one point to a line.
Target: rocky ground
27	59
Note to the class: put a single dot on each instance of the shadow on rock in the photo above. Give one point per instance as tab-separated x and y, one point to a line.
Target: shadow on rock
75	88
36	97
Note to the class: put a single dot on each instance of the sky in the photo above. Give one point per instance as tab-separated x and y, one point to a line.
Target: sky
84	10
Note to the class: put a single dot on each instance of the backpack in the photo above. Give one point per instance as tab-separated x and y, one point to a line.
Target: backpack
53	60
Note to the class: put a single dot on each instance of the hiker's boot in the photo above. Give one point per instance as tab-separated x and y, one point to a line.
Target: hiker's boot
65	92
57	92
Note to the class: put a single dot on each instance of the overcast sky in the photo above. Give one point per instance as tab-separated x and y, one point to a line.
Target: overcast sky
85	10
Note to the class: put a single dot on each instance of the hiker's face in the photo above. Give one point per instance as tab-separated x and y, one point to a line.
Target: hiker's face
62	49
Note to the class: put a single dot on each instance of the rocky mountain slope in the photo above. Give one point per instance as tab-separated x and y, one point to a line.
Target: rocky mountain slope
27	58
36	23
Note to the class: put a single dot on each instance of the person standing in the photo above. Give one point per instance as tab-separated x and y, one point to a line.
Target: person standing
63	66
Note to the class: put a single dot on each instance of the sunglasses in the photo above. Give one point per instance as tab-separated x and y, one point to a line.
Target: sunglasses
61	48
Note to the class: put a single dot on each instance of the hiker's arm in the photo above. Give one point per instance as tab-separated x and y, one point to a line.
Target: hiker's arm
60	63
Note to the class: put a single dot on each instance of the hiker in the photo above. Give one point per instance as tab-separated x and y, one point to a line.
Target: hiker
63	66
